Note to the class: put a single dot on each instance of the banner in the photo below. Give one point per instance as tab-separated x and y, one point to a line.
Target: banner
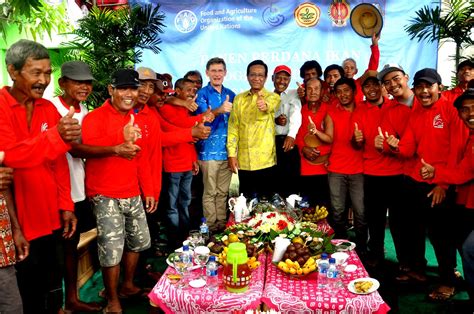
281	32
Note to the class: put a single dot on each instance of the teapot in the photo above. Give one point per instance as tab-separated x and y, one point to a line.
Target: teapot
238	205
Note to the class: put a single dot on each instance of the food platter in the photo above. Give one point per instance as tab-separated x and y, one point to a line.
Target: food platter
372	283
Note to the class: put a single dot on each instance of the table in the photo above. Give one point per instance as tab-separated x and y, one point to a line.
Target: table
201	300
289	295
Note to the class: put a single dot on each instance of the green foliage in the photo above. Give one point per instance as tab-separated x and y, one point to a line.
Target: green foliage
454	23
34	17
108	40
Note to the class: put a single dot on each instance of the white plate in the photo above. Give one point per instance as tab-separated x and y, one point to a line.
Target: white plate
197	283
375	285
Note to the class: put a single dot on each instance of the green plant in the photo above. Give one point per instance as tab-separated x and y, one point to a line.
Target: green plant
454	23
112	39
34	17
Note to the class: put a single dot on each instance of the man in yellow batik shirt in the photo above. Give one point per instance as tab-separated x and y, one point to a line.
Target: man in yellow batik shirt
251	134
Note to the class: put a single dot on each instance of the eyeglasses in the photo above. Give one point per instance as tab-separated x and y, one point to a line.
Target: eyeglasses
257	75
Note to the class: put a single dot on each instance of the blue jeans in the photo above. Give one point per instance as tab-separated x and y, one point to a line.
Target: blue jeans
179	198
339	185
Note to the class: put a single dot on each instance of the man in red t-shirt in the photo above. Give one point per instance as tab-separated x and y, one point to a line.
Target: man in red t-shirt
345	169
115	185
35	139
433	134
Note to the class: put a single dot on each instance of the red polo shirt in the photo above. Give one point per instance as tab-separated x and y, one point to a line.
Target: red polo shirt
344	158
151	132
37	153
434	134
391	117
308	169
179	157
114	177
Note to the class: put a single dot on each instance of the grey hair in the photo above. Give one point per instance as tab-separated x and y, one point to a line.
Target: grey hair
349	59
23	49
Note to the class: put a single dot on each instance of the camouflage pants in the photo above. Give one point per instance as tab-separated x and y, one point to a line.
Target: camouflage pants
119	221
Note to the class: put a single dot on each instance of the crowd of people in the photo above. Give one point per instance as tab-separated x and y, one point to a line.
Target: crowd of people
373	145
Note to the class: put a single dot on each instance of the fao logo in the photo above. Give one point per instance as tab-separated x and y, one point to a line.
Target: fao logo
185	21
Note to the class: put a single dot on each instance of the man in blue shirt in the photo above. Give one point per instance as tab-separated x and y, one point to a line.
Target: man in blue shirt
212	152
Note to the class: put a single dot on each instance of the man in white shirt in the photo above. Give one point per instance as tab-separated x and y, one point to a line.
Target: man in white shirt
288	121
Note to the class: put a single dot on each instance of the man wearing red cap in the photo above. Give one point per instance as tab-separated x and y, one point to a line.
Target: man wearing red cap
288	121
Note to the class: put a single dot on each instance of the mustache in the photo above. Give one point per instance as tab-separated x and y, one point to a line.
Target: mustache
42	86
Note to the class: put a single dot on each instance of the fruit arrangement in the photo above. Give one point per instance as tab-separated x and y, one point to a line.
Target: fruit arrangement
316	214
252	262
294	268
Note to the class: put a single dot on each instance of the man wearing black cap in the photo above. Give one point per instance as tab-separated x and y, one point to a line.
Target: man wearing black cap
114	185
432	134
464	73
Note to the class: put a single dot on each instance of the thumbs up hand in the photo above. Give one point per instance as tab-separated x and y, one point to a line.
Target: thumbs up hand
301	92
311	126
131	132
226	105
191	104
200	131
427	171
208	116
379	139
261	105
68	127
358	135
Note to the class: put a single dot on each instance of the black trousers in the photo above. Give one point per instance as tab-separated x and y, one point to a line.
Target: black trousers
439	221
287	170
316	188
40	275
257	183
382	193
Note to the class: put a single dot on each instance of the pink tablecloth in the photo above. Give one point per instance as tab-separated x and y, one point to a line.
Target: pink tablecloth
288	295
201	300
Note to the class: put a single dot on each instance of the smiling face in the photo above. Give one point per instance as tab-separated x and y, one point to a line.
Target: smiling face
188	91
466	113
33	78
372	90
123	99
76	91
350	68
281	80
256	77
396	83
146	89
427	93
345	94
216	74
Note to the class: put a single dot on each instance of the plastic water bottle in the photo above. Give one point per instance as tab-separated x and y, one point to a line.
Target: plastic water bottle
332	276
189	258
211	273
323	266
204	229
